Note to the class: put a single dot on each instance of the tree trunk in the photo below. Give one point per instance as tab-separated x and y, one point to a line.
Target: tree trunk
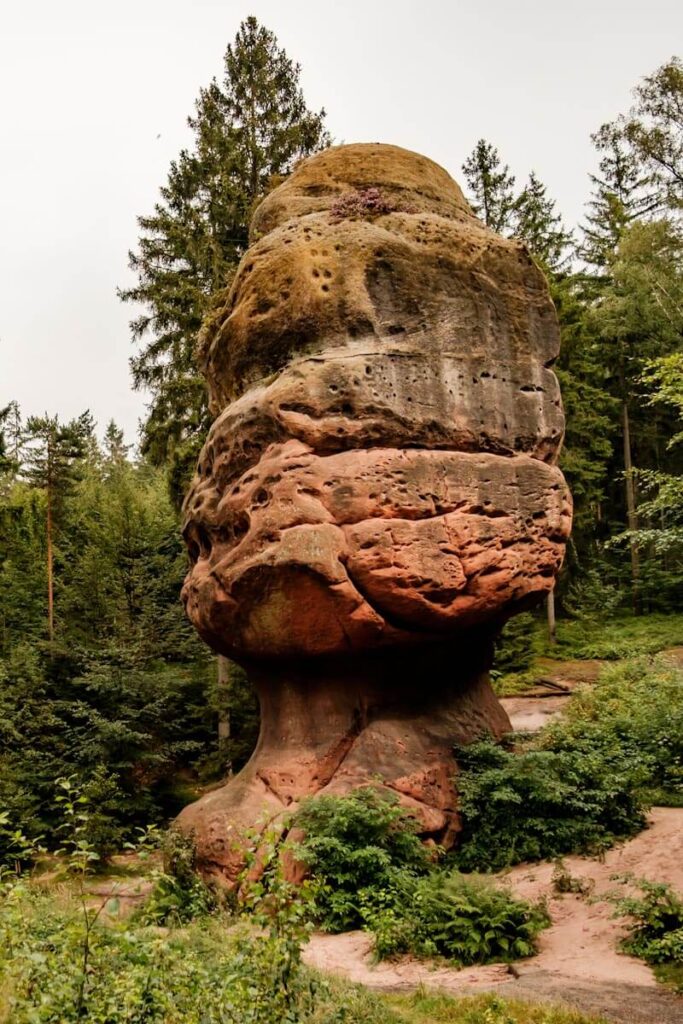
50	586
223	689
550	608
632	516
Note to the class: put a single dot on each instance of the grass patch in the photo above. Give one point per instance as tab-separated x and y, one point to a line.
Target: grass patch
516	665
426	1008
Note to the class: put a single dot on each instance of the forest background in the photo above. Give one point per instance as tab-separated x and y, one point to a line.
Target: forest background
101	677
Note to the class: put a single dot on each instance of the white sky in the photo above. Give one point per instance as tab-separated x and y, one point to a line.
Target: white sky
94	101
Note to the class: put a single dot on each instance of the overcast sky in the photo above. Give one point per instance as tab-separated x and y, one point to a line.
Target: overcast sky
95	97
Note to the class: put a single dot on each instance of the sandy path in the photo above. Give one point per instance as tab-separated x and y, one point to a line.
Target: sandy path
578	961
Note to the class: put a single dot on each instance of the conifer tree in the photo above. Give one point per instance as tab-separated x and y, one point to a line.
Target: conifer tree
248	129
491	186
536	223
620	196
4	458
52	459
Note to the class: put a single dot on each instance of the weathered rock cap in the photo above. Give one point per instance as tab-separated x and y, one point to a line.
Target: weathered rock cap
406	179
382	467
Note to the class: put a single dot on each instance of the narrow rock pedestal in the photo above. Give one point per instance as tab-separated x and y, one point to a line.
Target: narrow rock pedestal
333	725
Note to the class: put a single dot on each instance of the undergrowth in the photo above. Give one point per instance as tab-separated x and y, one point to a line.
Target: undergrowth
433	1008
524	640
370	870
584	781
656	932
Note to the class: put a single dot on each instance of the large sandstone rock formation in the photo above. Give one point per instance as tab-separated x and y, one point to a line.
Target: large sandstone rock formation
378	492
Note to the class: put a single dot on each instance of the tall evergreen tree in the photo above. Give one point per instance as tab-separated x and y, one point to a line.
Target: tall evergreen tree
248	129
535	221
620	195
53	454
491	186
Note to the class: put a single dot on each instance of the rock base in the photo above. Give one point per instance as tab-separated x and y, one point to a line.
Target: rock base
331	726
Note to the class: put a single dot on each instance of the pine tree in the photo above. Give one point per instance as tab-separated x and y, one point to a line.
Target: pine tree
536	223
52	461
620	196
248	129
491	186
5	462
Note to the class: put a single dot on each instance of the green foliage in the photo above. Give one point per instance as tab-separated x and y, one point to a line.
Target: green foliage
656	932
120	700
517	644
491	186
248	129
369	869
466	919
540	803
583	782
653	129
537	224
205	973
358	849
427	1007
625	636
620	195
637	708
179	895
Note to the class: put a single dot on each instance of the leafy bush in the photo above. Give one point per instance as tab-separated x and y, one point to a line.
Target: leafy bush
369	869
203	974
467	919
179	895
637	708
538	803
517	644
584	781
657	932
360	849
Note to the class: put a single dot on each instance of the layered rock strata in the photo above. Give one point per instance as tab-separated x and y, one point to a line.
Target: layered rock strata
378	492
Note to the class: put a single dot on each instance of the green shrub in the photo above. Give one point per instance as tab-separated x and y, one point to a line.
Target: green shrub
179	895
359	848
637	708
467	919
206	973
517	644
656	935
539	803
370	870
585	780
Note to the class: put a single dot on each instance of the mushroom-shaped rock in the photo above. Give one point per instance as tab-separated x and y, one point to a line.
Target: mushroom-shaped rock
379	490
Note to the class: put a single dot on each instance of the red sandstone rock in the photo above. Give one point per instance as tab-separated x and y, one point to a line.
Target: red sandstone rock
378	492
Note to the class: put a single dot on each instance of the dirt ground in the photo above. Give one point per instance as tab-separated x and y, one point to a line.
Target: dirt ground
578	962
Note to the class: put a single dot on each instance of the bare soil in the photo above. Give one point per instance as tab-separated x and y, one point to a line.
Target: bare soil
578	962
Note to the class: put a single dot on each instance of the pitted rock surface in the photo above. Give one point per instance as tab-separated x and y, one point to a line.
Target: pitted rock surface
380	476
